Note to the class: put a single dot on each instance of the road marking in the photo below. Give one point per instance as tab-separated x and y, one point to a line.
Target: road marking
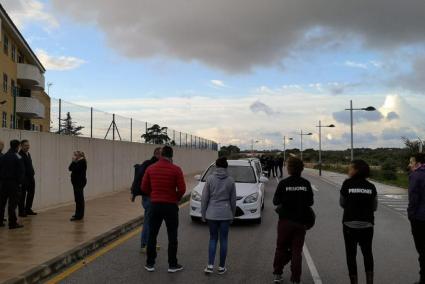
314	187
89	259
313	270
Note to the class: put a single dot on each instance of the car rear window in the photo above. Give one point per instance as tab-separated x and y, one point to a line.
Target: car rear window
241	174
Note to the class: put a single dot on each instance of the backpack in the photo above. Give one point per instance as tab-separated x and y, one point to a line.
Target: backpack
139	172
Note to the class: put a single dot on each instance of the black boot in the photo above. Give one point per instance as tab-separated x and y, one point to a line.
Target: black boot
354	279
369	277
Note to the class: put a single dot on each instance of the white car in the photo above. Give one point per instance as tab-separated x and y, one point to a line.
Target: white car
249	190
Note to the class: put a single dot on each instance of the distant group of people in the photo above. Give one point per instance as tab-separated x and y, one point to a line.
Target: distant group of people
17	183
162	186
273	166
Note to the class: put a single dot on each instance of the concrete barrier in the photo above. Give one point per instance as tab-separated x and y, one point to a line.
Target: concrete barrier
110	164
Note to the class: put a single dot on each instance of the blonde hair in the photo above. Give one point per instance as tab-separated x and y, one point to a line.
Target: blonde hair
80	154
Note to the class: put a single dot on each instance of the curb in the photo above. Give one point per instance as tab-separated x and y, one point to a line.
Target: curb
65	260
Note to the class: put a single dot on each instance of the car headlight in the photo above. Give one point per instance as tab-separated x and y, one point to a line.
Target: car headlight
251	198
196	196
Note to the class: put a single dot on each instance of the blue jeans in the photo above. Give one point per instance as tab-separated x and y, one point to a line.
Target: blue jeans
146	203
218	228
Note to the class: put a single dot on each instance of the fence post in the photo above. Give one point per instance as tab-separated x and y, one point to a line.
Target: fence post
174	137
113	126
60	116
146	130
191	143
186	140
91	122
180	139
131	129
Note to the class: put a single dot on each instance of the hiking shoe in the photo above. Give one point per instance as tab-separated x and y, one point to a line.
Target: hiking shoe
209	269
150	268
175	268
221	270
277	278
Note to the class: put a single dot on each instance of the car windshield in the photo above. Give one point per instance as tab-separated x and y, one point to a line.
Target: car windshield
241	174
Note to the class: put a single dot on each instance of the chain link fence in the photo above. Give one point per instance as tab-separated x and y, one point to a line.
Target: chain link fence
69	118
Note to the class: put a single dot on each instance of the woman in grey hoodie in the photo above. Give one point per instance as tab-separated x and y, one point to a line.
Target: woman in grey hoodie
218	209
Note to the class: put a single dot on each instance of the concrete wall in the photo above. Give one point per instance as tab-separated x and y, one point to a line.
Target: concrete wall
110	164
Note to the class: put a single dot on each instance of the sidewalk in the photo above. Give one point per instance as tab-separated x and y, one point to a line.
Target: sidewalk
49	240
338	179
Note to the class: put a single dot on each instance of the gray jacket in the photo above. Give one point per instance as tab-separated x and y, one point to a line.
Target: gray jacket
219	197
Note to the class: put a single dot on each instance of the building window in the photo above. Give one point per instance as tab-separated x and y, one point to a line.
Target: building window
5	79
6	44
4	121
20	57
12	86
13	53
41	128
11	121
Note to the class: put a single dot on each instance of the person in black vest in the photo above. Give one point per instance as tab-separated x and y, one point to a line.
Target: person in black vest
359	200
11	175
78	169
28	187
146	201
294	198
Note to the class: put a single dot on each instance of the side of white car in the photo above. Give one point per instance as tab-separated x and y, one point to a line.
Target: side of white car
249	190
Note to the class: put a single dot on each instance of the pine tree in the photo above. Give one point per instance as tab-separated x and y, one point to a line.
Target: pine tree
68	127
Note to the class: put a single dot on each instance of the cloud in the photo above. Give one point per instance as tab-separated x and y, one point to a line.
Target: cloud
24	12
240	35
58	63
392	115
259	106
397	133
413	80
218	83
358	116
356	64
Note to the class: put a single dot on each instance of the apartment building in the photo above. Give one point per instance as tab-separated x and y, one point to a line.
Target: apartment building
24	103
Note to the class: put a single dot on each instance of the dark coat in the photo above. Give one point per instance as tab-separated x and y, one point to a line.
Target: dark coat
12	167
139	172
29	168
78	171
416	209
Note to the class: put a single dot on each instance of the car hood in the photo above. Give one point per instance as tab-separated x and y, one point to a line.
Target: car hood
242	189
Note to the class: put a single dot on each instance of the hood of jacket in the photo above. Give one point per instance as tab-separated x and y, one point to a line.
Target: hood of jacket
221	173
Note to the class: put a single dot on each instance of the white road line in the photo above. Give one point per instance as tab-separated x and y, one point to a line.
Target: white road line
314	187
313	270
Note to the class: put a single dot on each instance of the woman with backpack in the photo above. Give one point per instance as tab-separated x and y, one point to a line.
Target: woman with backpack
293	198
359	201
218	208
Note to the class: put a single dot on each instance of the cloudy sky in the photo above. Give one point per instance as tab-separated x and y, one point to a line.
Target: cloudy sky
239	70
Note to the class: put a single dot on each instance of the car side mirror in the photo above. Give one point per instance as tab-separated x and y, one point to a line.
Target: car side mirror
264	179
198	177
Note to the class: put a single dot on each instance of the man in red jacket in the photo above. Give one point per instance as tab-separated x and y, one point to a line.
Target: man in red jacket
164	183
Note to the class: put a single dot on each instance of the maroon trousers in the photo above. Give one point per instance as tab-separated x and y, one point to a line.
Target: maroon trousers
289	247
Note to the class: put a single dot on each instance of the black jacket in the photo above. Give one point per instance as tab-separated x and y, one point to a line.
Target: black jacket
29	168
12	167
294	196
359	200
139	172
78	171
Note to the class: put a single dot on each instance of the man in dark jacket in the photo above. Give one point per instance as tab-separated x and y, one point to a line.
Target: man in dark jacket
280	162
416	209
164	184
146	201
28	187
11	175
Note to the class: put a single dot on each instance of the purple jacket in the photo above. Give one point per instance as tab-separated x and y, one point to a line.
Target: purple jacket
416	209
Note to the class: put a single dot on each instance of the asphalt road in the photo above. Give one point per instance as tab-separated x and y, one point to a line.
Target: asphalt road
251	250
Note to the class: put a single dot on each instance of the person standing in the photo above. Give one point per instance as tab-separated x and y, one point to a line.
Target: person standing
28	187
78	169
416	208
11	175
1	155
293	198
146	201
164	183
358	198
218	208
280	162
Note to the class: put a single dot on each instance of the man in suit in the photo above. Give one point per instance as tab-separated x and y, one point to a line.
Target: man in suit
28	186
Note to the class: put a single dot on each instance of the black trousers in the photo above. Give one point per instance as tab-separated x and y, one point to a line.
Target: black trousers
281	171
9	194
79	201
169	213
26	197
363	238
274	168
418	232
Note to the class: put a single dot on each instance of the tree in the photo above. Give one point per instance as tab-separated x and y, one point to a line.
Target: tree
229	151
413	145
68	127
157	135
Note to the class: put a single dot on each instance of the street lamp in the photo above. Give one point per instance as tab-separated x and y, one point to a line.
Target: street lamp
320	144
301	135
369	108
252	146
284	148
48	88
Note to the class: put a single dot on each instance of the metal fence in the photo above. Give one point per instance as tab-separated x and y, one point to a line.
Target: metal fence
103	125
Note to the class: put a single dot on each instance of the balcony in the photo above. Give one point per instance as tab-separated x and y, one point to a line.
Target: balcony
29	108
29	76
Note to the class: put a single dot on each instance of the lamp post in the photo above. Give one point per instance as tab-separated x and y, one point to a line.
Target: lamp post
320	126
252	146
48	88
369	108
301	135
284	148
